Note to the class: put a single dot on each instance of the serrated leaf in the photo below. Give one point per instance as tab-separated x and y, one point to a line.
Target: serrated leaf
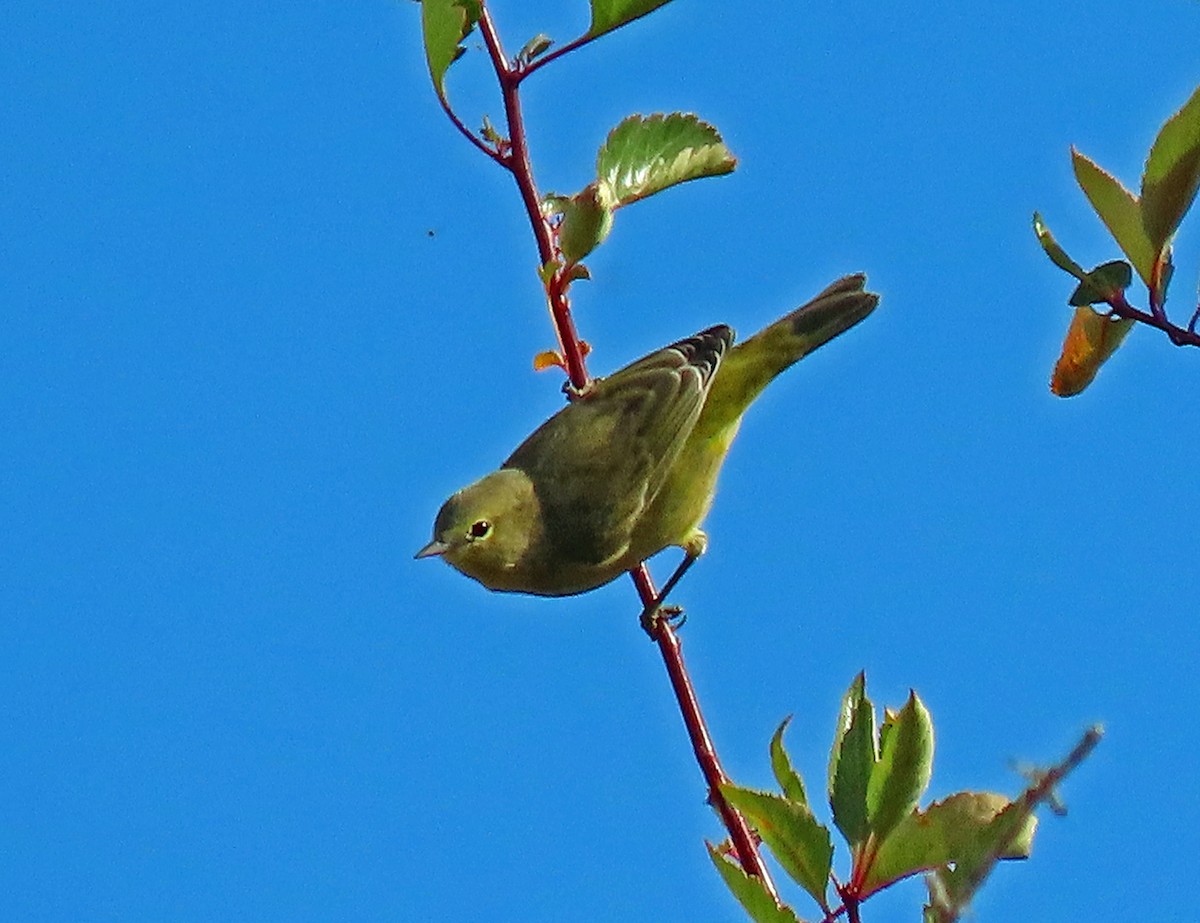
1058	256
1102	283
903	770
647	154
1120	211
801	844
445	23
1091	339
781	764
612	14
851	761
1172	173
941	834
1009	835
750	892
586	220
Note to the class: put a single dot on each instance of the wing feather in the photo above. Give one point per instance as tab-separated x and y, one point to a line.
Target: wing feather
598	463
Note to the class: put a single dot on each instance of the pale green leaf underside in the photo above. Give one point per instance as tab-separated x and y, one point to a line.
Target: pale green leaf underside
947	831
1120	211
646	154
1008	835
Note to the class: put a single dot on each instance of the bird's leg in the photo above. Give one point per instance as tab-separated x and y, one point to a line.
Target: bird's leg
655	611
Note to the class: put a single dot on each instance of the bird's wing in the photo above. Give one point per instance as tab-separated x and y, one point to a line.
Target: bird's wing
598	462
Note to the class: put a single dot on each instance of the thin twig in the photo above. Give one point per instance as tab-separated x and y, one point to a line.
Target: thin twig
522	170
1178	335
516	159
467	133
1036	794
671	649
554	55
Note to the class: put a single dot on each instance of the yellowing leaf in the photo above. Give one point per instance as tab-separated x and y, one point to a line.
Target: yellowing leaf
1091	339
552	358
549	359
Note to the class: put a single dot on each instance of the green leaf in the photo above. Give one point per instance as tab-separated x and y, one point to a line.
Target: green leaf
1091	340
586	220
1120	211
750	891
535	48
943	833
1058	256
801	844
445	24
904	768
612	14
647	154
1172	174
1102	283
1008	835
781	764
851	761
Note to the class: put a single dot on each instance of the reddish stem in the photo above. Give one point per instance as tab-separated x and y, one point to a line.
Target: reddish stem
555	54
518	163
515	158
671	649
1178	335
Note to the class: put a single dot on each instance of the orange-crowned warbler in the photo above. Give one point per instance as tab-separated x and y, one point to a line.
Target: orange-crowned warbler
629	467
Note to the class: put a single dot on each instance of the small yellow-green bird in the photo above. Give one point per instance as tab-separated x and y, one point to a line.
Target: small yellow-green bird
629	467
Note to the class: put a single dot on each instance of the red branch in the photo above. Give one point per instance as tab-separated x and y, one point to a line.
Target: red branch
1178	335
514	156
517	162
671	649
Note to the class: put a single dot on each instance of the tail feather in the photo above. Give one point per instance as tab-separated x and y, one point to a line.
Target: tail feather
750	366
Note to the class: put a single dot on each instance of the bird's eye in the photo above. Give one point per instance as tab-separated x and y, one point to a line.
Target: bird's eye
480	528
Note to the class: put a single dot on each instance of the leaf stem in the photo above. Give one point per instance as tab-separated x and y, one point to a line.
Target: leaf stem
554	55
466	132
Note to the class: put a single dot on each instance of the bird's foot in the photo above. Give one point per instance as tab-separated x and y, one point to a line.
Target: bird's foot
653	617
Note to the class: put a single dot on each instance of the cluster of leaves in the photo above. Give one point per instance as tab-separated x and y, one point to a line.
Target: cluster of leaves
1143	226
877	775
643	155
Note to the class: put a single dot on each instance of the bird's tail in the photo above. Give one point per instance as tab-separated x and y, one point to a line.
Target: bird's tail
750	366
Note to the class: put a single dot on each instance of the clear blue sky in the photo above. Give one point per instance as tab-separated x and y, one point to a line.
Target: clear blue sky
238	376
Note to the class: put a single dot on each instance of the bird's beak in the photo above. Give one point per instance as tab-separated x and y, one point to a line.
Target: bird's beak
433	548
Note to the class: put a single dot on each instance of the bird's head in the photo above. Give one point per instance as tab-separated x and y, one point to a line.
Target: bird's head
484	530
